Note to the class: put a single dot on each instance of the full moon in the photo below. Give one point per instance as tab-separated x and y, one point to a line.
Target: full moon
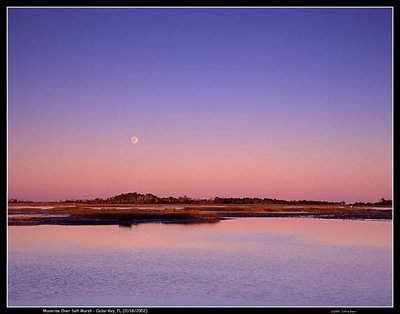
134	139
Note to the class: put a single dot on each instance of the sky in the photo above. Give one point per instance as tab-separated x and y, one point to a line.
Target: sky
262	102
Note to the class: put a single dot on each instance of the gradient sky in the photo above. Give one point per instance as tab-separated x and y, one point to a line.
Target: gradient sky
262	102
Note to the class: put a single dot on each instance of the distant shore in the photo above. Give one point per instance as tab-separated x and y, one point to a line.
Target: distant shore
22	214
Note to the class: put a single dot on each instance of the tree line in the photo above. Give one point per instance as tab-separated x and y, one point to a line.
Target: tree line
139	198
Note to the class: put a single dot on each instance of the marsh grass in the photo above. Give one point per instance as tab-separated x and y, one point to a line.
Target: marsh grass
135	214
132	214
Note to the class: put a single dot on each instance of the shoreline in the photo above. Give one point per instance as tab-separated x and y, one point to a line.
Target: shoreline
128	214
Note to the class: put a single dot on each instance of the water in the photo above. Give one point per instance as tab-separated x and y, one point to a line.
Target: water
140	207
35	207
246	261
163	207
376	208
108	207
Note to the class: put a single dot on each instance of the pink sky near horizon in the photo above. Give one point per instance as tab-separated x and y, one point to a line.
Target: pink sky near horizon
204	171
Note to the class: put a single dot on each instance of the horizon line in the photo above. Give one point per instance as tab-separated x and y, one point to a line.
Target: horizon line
16	200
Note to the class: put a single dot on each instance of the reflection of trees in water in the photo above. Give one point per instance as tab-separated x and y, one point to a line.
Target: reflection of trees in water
185	223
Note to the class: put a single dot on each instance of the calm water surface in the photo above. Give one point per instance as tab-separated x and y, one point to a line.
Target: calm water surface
246	261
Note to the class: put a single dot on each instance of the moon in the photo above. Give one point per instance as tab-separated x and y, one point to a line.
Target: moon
134	140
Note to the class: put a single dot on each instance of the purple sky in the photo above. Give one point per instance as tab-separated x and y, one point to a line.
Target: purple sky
281	103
